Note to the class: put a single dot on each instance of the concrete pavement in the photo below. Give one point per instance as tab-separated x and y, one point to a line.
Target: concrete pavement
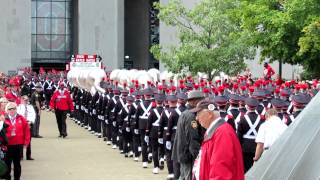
80	156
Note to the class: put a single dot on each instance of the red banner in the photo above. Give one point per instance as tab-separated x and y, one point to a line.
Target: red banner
91	58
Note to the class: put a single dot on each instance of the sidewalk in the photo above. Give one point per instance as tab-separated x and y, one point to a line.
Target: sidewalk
80	156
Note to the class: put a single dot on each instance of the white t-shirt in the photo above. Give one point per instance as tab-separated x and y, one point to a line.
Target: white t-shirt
270	131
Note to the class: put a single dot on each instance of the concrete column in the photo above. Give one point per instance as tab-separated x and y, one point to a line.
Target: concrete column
100	30
15	34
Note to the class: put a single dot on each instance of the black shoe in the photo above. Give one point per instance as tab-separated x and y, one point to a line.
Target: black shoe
60	136
38	136
64	136
30	159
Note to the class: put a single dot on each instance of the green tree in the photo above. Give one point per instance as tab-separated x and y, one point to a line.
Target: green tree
283	30
210	40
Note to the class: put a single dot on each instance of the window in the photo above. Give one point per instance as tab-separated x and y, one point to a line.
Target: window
51	40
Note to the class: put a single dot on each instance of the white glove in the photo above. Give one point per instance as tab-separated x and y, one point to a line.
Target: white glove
106	121
160	140
136	131
120	130
114	123
168	145
127	129
146	139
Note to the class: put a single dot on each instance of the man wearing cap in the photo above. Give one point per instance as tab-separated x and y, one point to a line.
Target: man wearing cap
36	101
248	127
111	121
124	125
152	131
220	154
233	110
299	102
143	111
188	137
120	106
61	103
134	125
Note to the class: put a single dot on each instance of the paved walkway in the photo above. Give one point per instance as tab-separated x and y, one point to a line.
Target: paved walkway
79	157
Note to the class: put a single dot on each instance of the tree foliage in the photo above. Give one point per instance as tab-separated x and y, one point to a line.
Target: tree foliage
285	29
210	40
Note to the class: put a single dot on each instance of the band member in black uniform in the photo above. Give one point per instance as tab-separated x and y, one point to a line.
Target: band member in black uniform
142	114
48	91
112	129
122	105
94	115
152	131
170	133
108	114
233	110
134	125
248	127
124	123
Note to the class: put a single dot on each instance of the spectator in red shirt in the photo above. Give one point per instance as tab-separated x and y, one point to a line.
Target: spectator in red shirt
61	103
268	71
18	134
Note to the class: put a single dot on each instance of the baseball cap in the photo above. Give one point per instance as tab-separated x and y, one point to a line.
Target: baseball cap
204	104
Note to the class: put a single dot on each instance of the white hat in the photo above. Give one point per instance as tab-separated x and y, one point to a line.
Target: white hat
10	105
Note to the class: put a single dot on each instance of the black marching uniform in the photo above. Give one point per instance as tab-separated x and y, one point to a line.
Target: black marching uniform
247	131
143	111
152	132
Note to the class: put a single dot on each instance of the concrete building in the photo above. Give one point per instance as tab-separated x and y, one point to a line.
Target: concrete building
45	34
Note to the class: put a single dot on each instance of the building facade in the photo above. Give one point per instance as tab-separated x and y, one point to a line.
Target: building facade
40	33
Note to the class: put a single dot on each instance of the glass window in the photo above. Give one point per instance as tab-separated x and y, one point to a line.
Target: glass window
43	9
59	9
58	42
58	26
43	42
43	26
51	30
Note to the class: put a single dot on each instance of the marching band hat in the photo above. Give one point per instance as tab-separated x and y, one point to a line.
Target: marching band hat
252	102
195	94
172	98
220	100
182	96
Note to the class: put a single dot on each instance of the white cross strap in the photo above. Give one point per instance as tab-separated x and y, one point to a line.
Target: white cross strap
252	129
145	111
289	108
178	111
167	113
156	123
134	105
114	100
